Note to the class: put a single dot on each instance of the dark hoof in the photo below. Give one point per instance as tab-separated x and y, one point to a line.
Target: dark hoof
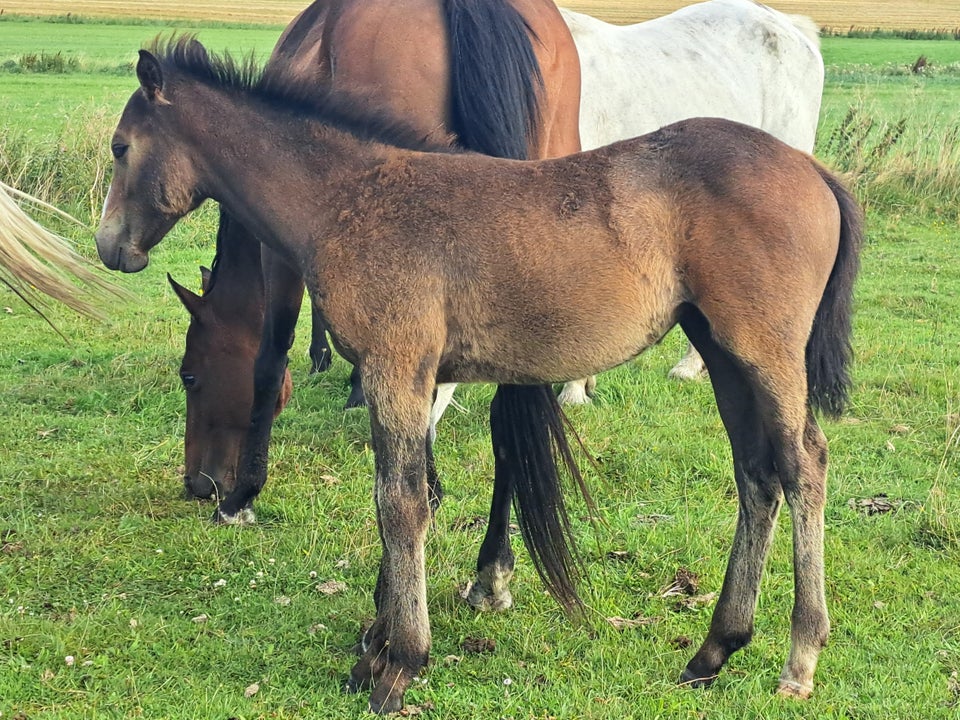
688	677
356	400
246	516
320	364
352	687
387	697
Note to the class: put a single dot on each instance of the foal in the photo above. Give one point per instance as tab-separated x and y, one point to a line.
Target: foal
438	267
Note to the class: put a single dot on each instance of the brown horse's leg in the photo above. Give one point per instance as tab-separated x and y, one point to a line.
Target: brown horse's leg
284	293
397	645
356	398
491	588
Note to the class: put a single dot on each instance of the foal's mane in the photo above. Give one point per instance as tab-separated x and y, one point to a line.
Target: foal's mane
351	112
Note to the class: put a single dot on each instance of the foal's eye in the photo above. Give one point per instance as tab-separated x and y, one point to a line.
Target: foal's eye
119	150
189	381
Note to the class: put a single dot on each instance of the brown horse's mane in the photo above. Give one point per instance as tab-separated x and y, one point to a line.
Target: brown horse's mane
351	112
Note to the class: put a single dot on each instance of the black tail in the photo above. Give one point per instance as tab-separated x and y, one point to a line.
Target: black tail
496	81
829	351
527	427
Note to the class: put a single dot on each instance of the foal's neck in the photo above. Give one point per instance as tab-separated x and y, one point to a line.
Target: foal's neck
275	172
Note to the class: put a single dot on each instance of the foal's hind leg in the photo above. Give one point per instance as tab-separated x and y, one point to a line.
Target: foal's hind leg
777	449
759	503
320	353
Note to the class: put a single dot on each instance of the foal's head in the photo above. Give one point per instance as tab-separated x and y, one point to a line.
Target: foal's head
154	178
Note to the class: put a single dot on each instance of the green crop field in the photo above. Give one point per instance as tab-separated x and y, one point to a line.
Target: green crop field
119	600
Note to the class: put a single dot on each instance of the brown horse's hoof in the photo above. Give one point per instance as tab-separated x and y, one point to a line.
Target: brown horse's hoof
320	363
791	689
687	677
485	600
246	516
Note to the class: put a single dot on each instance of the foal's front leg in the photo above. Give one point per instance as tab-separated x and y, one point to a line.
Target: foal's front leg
397	645
284	294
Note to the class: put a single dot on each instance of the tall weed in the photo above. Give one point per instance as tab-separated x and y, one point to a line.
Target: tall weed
896	163
68	171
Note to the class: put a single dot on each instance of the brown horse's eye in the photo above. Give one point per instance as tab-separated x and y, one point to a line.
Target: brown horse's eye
119	150
189	381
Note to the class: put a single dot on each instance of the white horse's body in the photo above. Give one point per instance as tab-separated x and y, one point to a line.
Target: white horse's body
734	59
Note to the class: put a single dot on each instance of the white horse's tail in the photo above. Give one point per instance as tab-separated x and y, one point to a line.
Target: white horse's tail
35	262
807	27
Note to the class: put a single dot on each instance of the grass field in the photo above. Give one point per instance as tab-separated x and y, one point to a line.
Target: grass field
118	599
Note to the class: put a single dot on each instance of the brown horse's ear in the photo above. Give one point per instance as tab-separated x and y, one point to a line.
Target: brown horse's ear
150	75
191	301
205	274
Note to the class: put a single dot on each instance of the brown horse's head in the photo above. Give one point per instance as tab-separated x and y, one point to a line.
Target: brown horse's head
217	375
154	181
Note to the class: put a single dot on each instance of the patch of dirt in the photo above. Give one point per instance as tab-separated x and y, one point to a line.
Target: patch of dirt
636	621
331	587
462	524
878	505
476	646
414	710
685	582
695	601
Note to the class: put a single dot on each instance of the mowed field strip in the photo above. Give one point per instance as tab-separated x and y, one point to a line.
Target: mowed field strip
839	14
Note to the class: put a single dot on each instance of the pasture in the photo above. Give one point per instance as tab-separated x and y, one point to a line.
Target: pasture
119	599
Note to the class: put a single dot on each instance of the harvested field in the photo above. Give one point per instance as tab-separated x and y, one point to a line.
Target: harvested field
837	14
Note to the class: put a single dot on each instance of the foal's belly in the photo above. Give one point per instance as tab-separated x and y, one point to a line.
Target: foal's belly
548	352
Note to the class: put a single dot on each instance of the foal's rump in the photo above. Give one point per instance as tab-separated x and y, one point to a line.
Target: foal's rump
706	212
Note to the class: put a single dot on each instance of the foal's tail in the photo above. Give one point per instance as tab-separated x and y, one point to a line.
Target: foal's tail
527	427
495	78
829	351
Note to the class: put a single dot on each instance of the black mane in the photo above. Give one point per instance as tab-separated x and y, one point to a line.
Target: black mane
351	112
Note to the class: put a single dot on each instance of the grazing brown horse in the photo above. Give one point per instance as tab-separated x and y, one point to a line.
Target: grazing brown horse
440	267
502	77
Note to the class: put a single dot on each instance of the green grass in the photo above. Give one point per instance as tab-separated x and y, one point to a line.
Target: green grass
102	561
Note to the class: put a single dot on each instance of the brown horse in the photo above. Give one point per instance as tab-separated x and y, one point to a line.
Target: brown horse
505	83
440	267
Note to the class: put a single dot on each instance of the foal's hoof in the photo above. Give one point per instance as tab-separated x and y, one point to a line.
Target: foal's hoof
246	516
691	678
795	690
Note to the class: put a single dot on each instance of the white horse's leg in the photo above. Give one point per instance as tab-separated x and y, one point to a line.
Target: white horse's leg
578	392
690	367
441	402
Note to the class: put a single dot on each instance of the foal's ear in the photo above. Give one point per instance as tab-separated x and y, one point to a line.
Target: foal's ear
191	301
205	275
149	74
